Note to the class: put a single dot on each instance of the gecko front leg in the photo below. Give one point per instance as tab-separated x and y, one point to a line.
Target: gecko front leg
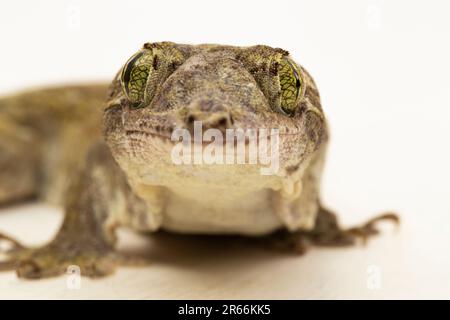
98	201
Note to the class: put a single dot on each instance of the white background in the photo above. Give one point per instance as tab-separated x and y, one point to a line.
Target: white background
382	68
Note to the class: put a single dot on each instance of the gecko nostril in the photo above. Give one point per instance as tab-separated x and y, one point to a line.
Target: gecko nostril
190	119
209	120
222	122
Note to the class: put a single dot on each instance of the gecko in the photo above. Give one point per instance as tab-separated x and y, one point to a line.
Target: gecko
104	152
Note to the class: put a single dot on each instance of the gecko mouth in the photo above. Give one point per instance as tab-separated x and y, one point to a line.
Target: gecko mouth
168	137
257	148
150	134
154	149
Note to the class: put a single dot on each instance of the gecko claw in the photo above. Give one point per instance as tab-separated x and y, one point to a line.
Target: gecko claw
369	229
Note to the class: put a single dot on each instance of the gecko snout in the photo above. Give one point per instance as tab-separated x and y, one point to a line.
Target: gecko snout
210	115
221	121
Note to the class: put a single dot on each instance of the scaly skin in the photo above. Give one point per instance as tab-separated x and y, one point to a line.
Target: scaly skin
51	147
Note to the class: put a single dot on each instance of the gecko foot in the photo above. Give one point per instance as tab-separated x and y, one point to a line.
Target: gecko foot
93	260
327	232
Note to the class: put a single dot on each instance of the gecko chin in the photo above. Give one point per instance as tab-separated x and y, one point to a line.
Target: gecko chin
153	158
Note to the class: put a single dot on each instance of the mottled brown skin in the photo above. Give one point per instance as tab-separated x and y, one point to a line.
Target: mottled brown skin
51	147
44	134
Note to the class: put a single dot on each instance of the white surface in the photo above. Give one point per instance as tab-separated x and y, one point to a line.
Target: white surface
383	72
396	265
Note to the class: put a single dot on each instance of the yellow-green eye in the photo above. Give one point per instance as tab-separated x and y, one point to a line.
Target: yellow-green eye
134	76
291	85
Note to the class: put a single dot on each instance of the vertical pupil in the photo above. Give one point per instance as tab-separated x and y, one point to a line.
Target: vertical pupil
297	78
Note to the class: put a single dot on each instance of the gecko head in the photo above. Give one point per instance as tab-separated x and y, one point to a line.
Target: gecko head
166	91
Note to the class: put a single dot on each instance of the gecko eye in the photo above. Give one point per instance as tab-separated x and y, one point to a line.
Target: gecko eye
142	75
290	84
134	76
